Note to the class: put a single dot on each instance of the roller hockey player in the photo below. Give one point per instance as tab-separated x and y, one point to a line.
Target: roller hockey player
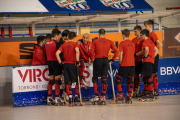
126	69
138	55
85	47
152	36
149	52
71	52
101	49
55	70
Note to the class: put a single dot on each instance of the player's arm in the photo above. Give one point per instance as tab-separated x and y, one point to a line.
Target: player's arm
146	52
77	53
120	57
58	56
139	53
156	51
159	45
115	49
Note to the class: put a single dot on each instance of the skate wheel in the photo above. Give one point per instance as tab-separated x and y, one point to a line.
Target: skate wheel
49	104
72	105
61	104
69	105
56	104
75	104
93	103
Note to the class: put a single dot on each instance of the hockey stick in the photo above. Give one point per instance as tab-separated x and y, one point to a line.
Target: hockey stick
138	90
79	87
114	97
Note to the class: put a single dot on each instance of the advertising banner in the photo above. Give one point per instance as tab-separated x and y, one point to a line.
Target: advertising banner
171	46
30	82
19	51
71	6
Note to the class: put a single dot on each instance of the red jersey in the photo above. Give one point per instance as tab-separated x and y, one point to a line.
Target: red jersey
39	56
128	49
69	53
85	51
51	49
150	44
138	47
152	36
102	46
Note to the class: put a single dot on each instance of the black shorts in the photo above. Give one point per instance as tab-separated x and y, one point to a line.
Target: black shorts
138	67
70	73
54	68
100	67
125	71
147	69
155	65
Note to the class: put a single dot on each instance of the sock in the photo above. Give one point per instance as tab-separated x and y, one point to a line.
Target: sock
119	85
104	85
150	85
68	89
155	81
130	85
77	89
50	87
137	80
57	87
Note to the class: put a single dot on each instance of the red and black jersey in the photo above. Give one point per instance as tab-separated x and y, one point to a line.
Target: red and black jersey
152	36
102	46
150	44
51	48
39	56
128	49
69	53
85	51
138	47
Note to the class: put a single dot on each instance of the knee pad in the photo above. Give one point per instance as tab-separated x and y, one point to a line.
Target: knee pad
149	81
58	82
95	79
51	82
130	80
145	80
118	80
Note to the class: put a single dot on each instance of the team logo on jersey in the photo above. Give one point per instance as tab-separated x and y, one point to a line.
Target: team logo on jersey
73	4
178	37
118	4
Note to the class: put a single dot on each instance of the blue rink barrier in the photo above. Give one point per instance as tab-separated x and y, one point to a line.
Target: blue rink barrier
169	84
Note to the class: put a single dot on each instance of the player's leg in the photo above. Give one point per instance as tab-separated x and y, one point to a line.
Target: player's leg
155	77
119	97
130	81
57	69
104	73
68	83
97	66
50	99
138	67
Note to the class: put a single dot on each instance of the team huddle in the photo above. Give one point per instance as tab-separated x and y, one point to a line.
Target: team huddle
66	59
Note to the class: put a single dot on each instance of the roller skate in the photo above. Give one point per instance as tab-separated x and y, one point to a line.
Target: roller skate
128	99
140	95
95	100
119	99
85	84
144	98
150	97
77	100
50	100
102	100
156	94
59	101
71	103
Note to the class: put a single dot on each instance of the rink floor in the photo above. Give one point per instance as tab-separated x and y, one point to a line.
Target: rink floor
166	108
